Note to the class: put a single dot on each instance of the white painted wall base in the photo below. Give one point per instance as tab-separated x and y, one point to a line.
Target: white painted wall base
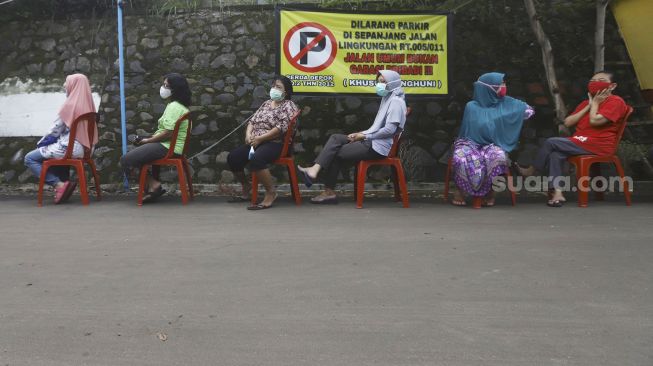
31	114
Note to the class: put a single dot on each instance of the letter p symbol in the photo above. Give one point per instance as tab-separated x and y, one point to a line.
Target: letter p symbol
303	41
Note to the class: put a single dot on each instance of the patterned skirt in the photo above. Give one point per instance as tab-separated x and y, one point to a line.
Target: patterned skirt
475	166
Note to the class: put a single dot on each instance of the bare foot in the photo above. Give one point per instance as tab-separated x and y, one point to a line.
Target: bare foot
311	171
269	199
488	200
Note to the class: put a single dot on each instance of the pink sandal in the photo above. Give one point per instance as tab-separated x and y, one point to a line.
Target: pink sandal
60	192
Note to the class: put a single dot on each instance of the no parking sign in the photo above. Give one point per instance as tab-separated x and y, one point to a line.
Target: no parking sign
309	47
340	53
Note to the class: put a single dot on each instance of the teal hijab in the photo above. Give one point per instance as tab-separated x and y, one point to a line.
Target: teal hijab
489	119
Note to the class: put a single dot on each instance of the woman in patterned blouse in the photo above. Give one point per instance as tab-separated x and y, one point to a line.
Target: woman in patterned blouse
264	136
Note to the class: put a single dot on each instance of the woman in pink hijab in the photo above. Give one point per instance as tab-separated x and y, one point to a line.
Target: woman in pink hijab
53	145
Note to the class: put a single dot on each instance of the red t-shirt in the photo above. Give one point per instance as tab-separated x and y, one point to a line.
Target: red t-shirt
600	140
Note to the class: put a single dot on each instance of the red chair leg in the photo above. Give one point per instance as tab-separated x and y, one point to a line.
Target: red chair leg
624	182
360	183
447	177
81	176
583	183
511	186
254	188
96	178
141	184
401	178
189	179
477	202
294	184
183	187
44	171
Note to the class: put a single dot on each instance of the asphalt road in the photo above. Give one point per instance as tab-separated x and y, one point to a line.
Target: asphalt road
214	284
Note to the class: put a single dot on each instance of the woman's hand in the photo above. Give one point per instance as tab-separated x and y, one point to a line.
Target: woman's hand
255	141
600	96
248	139
356	136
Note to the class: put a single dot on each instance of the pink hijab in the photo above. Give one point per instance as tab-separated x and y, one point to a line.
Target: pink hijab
79	102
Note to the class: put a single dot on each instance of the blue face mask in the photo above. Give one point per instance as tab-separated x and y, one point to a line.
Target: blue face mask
276	94
381	90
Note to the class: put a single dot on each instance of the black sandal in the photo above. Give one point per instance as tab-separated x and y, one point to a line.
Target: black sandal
555	203
154	195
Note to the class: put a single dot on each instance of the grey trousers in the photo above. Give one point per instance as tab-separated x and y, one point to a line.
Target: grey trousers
553	154
339	150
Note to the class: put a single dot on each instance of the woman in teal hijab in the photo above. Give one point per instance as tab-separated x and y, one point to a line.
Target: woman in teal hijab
490	129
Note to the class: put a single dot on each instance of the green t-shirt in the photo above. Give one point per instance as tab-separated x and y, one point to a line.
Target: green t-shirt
173	111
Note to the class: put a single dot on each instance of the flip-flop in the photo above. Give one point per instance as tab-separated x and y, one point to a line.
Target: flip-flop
325	201
69	191
458	203
487	204
258	207
152	196
237	199
308	181
555	203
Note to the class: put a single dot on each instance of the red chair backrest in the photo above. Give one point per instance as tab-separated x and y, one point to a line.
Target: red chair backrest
91	118
175	133
395	140
290	135
622	128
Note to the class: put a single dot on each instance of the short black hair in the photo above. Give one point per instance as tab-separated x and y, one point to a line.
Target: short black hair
607	72
287	85
179	87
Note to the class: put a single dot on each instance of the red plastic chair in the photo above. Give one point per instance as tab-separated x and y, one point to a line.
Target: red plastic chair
583	164
178	161
398	177
477	201
78	164
286	159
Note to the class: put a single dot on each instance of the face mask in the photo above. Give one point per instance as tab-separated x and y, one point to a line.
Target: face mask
503	90
381	90
500	90
164	92
596	86
276	94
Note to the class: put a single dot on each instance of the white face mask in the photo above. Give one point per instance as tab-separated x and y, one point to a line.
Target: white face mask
164	92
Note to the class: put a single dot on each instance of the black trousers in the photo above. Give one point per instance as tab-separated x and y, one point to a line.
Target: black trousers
142	155
264	155
338	151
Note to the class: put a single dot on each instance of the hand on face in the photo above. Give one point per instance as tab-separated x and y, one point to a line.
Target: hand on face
601	96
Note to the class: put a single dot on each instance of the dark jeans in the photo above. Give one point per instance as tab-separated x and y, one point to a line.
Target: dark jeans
142	155
339	150
264	155
552	156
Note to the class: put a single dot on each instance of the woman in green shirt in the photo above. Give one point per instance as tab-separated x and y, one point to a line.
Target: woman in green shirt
175	89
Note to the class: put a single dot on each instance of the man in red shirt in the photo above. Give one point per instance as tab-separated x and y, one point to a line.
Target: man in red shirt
597	120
